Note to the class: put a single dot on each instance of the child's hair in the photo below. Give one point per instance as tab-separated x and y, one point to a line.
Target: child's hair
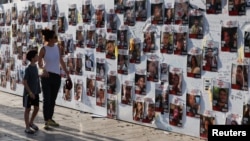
31	54
48	34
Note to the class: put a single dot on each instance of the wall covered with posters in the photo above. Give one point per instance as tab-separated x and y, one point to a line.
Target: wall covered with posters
177	65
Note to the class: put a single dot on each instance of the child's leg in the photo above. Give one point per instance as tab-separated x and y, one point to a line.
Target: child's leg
34	113
26	117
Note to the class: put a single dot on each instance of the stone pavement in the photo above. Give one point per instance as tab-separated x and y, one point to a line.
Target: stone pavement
75	126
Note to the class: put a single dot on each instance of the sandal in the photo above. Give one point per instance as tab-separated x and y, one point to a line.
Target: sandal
29	131
33	126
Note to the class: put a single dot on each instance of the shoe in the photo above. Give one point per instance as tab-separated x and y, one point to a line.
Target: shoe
46	126
33	126
52	123
29	131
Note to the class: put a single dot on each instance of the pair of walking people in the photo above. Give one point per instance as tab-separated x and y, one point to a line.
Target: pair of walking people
50	61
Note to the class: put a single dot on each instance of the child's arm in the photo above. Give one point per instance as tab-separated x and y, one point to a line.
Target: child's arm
26	86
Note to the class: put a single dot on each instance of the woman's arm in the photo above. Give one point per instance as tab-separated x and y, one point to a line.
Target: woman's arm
62	63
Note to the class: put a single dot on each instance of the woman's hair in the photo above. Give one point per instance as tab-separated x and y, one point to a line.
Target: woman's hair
48	34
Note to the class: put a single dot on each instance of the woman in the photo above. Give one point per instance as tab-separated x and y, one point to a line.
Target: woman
50	60
195	69
138	111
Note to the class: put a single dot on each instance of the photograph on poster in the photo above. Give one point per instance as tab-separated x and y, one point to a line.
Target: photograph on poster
152	70
169	15
246	114
31	10
38	16
24	59
86	13
247	44
210	59
161	99
111	108
67	93
140	10
135	51
220	96
19	18
2	19
70	47
45	15
122	63
129	14
149	42
111	21
39	35
61	44
196	24
111	82
229	39
61	24
236	7
80	37
89	62
90	38
101	41
157	13
32	30
175	115
181	12
119	6
122	39
233	119
100	69
205	121
14	12
90	85
140	83
100	94
14	47
3	79
167	42
194	65
138	110
8	17
126	93
13	83
180	43
149	113
71	64
54	10
213	6
79	65
25	16
175	80
100	16
164	72
110	49
193	104
78	89
72	15
239	75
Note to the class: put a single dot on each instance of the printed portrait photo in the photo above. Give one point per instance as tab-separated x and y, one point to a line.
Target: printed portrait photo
239	75
140	84
126	94
140	10
167	42
236	7
90	85
213	6
220	99
175	115
138	111
229	39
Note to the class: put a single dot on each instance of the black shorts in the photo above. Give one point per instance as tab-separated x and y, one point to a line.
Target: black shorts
28	101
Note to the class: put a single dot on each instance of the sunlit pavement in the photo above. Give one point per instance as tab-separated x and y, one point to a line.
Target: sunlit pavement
75	126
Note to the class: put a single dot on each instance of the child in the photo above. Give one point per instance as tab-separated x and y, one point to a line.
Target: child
31	90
